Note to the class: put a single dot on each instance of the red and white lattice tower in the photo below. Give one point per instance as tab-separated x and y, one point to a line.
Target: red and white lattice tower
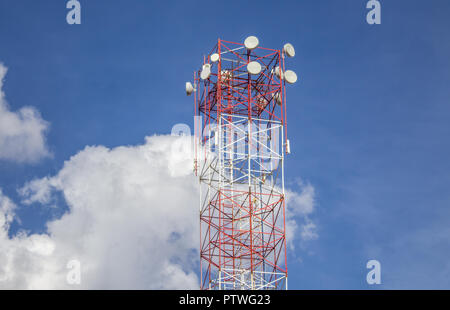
241	141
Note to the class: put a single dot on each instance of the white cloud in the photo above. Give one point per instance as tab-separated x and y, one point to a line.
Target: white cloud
132	223
22	258
301	203
309	231
22	133
6	211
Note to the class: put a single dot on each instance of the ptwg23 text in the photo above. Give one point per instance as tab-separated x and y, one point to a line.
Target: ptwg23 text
229	299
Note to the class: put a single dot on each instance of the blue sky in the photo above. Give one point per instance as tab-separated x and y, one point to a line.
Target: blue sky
368	119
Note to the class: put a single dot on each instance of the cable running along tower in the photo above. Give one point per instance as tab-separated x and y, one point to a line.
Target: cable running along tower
240	145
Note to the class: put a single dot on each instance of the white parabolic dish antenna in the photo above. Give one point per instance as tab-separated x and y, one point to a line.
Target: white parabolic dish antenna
206	71
254	67
278	72
277	98
290	76
214	57
189	88
289	49
251	42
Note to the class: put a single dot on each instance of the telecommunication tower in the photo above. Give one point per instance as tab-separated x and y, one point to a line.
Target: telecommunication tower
240	146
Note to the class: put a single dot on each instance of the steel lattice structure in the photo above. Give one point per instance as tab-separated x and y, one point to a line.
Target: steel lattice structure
241	141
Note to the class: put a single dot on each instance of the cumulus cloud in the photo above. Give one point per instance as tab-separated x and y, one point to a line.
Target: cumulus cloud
22	258
22	133
132	221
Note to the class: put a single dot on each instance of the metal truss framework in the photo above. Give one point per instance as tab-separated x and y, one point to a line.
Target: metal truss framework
239	160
